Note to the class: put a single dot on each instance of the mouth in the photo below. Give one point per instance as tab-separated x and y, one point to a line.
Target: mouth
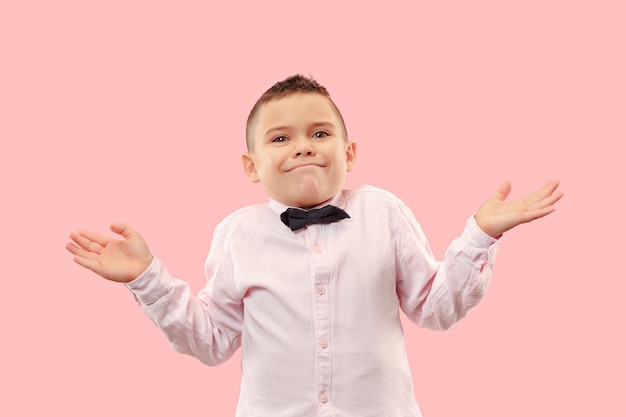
311	164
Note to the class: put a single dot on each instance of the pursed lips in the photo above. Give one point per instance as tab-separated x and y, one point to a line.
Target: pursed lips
308	164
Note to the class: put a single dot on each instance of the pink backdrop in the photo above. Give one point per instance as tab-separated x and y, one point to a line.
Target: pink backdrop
134	111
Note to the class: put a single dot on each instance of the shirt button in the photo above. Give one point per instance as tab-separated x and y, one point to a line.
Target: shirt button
323	343
317	248
321	290
323	398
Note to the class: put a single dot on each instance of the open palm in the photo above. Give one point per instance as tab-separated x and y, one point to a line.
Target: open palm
496	215
114	259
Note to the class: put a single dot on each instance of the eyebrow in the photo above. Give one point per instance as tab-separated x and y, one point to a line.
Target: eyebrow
314	125
276	129
322	124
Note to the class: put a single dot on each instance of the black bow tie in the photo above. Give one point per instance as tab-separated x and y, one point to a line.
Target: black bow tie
297	219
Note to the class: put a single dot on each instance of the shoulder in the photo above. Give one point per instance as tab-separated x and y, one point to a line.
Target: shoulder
372	202
243	216
368	194
368	200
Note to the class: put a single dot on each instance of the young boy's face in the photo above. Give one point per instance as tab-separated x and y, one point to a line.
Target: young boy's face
301	155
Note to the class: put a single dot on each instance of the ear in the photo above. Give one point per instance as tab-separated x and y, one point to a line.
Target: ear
350	155
249	168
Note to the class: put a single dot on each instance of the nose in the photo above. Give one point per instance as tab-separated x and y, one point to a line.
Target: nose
303	147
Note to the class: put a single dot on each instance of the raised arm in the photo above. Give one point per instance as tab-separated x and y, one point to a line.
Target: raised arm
207	326
114	259
496	215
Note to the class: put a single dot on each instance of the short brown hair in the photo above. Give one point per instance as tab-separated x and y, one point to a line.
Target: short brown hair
295	84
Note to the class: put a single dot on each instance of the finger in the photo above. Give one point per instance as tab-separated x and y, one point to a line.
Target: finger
553	198
503	190
88	263
542	193
86	243
557	196
73	249
94	237
547	189
537	214
78	251
122	229
549	200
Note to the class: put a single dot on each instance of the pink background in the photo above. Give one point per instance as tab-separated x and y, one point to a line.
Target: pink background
135	111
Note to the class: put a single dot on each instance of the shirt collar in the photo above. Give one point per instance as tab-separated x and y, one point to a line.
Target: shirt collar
338	200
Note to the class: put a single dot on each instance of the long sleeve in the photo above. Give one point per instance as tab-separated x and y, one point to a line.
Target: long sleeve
195	325
437	294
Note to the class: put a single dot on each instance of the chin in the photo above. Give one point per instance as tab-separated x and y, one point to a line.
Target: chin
308	201
305	203
306	194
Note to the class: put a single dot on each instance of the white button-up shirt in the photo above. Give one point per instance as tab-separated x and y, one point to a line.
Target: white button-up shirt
316	311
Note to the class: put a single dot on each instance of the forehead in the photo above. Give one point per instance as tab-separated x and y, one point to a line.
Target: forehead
296	109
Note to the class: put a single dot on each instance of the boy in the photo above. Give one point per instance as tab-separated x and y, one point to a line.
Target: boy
310	284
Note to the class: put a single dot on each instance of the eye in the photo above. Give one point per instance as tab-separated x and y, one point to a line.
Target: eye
280	139
320	134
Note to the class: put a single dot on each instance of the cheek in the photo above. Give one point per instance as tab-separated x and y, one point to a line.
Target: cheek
341	161
270	165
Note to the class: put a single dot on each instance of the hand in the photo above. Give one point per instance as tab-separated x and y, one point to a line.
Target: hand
113	259
496	216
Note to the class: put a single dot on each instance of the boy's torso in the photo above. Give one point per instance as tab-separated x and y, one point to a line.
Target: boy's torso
321	323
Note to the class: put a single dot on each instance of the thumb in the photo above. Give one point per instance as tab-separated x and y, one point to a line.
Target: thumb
122	229
503	190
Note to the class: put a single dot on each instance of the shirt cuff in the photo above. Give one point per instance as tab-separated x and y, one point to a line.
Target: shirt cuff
480	242
152	284
479	233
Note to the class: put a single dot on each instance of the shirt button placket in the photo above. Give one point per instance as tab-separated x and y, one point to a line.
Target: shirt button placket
321	307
